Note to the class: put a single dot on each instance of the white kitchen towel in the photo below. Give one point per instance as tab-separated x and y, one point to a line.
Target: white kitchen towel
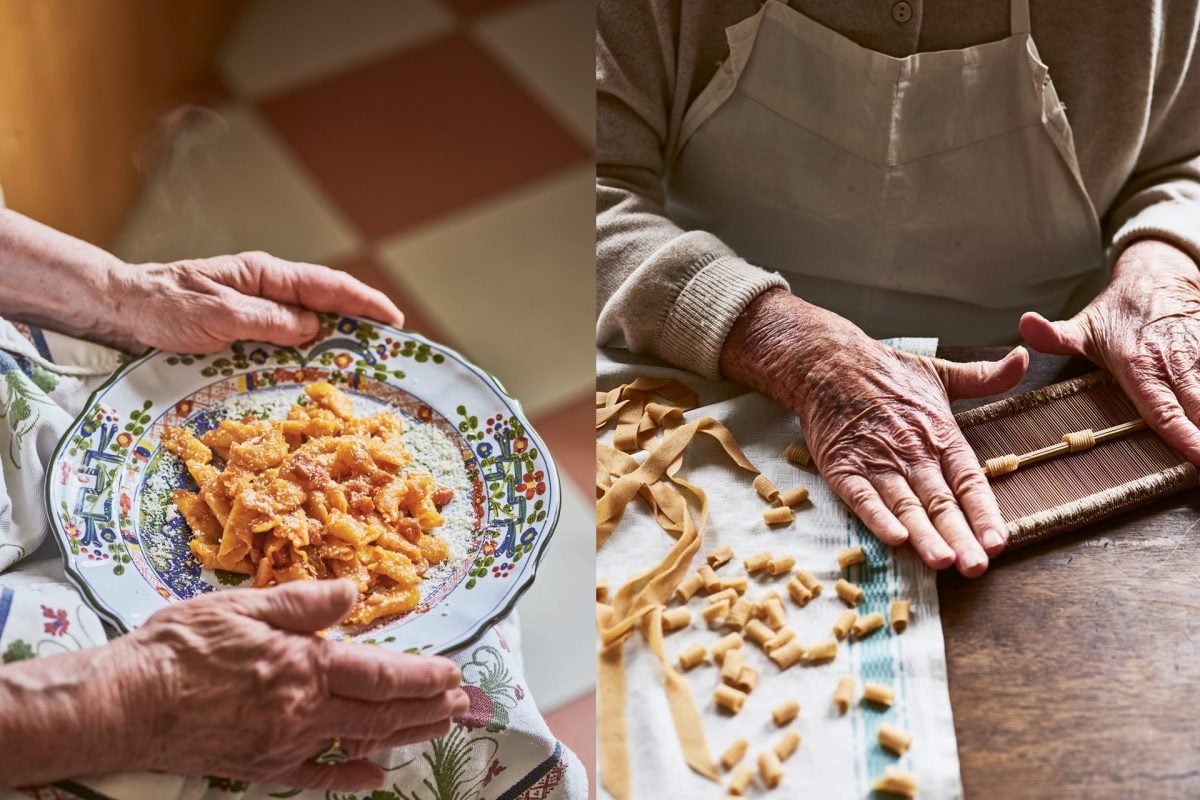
839	756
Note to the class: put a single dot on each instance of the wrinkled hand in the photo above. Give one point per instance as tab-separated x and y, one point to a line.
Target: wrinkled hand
879	425
232	683
202	305
1144	329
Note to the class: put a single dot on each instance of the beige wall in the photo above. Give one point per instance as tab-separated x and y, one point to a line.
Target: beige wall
83	84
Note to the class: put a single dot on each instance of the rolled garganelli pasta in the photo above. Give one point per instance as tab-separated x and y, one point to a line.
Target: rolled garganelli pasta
781	565
740	780
898	613
797	453
878	694
734	753
843	695
793	496
758	632
676	618
799	593
693	656
738	584
715	612
821	652
731	641
731	665
844	622
867	625
895	739
778	516
712	584
810	582
784	635
729	698
729	594
850	556
739	613
896	781
688	587
773	608
787	745
850	594
770	769
787	655
758	562
602	591
720	557
785	712
766	490
747	679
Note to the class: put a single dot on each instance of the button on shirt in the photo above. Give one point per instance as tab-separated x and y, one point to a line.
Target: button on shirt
902	12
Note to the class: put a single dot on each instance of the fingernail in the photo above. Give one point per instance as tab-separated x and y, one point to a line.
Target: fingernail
454	676
973	562
461	705
992	539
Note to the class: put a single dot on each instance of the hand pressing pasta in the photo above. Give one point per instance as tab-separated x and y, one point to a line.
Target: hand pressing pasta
193	306
232	683
879	425
1144	329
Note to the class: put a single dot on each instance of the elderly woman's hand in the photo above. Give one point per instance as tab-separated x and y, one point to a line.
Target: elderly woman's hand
1144	328
879	426
233	684
202	305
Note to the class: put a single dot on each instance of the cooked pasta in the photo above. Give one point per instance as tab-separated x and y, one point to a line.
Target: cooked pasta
867	625
878	694
321	494
734	753
850	556
785	712
895	739
850	594
898	613
843	695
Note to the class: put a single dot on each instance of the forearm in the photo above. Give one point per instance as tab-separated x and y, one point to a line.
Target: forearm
53	280
68	715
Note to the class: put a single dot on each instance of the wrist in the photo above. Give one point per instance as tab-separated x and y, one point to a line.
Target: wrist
75	714
1151	256
779	338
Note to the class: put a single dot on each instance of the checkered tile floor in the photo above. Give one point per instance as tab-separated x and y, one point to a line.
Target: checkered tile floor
440	150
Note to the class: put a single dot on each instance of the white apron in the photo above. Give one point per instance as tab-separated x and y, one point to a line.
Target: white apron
932	195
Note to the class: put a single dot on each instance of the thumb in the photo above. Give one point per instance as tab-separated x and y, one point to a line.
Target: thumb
302	606
982	378
1063	338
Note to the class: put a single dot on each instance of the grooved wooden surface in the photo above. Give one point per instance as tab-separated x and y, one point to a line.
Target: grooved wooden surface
1074	664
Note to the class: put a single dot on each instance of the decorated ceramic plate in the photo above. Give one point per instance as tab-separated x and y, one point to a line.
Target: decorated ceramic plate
108	492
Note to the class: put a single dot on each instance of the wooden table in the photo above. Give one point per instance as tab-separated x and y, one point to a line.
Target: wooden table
1074	664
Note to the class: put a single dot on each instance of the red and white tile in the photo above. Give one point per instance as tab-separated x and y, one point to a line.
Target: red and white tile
440	150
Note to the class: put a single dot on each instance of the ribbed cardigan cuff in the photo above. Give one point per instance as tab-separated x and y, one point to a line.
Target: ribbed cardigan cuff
699	321
1176	223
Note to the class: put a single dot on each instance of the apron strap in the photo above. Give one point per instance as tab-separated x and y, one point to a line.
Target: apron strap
1019	17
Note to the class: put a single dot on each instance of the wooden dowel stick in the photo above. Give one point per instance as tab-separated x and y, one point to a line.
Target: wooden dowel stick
1002	465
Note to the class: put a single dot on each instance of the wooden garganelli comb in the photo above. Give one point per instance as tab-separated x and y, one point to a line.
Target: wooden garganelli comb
1070	454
